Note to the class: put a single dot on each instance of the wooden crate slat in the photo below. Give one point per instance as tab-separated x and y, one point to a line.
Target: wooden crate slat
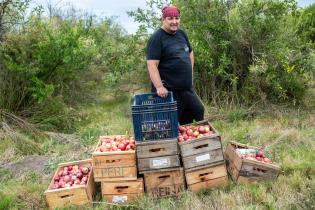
115	173
157	148
122	187
121	198
100	161
200	145
166	191
222	181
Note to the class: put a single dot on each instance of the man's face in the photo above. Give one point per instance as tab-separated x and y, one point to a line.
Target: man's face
171	24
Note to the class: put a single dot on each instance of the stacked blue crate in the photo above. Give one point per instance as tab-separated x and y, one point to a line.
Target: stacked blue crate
154	118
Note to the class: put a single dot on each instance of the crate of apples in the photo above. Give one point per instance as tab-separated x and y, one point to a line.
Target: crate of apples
115	143
189	132
72	183
253	154
71	175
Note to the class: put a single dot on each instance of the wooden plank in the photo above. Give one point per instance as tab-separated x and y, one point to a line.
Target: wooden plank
254	170
165	191
221	181
233	162
157	148
115	173
122	187
205	174
203	158
121	198
100	161
200	145
147	164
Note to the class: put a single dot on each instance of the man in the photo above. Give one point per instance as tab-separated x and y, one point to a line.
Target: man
170	62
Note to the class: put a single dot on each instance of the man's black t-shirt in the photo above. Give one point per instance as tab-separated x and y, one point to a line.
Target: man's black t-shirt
172	50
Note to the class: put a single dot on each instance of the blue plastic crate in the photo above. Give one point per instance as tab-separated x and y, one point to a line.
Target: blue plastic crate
154	118
152	99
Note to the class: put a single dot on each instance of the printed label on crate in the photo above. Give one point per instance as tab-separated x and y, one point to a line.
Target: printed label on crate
203	157
162	162
119	198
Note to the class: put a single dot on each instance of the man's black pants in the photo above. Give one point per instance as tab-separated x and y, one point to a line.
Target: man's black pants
189	106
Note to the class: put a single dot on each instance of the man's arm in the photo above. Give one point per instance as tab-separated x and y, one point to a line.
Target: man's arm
156	78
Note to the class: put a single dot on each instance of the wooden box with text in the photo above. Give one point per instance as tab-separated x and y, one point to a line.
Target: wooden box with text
122	192
114	165
206	177
74	195
158	154
201	151
164	183
248	171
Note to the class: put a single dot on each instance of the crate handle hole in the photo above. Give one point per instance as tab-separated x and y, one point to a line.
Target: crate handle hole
205	174
112	161
164	177
121	187
66	196
259	170
201	146
157	150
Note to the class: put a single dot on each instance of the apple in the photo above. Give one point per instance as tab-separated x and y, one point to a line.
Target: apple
201	129
189	132
122	146
196	133
85	170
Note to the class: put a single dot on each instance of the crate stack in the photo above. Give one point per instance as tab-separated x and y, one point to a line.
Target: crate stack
203	160
117	172
155	127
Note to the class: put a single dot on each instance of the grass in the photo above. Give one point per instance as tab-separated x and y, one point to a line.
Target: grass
288	133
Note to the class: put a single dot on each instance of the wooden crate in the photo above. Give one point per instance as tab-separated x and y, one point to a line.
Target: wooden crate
206	177
157	155
164	183
114	166
201	151
149	164
76	195
122	191
157	148
248	171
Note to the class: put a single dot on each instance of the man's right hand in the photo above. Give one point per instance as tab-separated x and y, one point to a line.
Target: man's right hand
162	92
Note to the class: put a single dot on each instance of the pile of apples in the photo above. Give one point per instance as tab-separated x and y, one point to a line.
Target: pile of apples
116	143
71	175
252	154
189	132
